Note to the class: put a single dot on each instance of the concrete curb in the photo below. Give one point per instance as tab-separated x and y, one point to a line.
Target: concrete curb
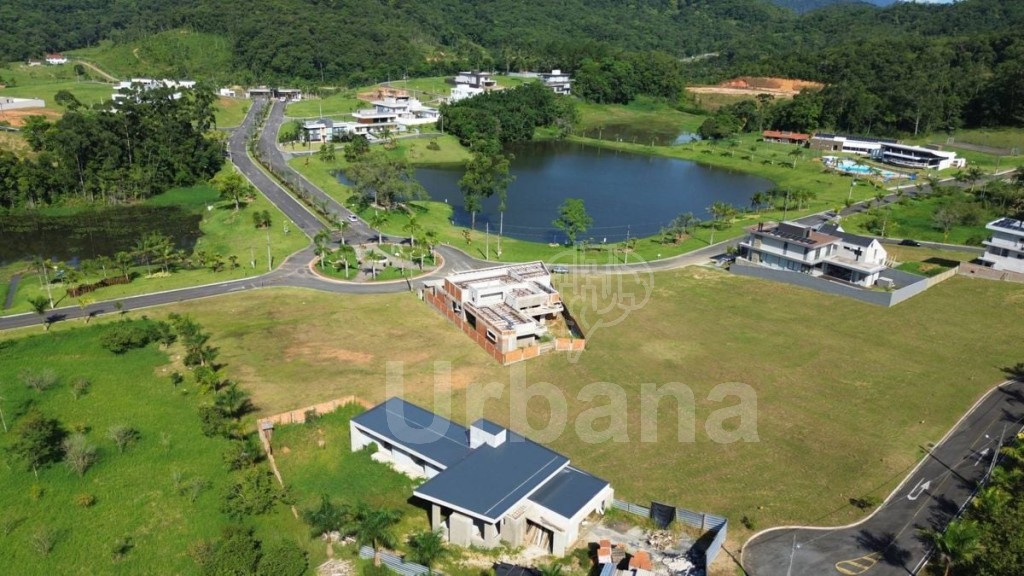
895	490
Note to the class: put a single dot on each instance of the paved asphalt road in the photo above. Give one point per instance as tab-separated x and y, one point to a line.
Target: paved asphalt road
295	271
888	543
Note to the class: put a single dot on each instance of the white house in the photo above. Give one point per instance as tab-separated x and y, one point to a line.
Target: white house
407	110
56	59
469	84
918	157
227	93
1005	249
558	82
126	87
485	484
847	144
826	252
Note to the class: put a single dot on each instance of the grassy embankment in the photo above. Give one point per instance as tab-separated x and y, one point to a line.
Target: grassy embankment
136	493
915	218
830	426
177	54
225	232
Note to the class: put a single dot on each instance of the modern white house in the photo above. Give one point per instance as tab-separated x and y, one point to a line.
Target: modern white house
407	110
56	59
1005	249
125	88
918	157
227	93
828	251
469	84
486	485
557	81
846	144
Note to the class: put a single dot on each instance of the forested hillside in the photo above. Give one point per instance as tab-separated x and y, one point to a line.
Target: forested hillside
906	68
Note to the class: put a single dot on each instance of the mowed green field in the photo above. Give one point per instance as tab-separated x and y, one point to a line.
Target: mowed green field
135	492
846	393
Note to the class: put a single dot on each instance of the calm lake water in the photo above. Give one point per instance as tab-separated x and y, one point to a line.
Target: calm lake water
624	193
91	233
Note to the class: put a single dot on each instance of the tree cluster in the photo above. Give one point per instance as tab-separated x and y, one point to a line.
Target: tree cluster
507	116
620	78
146	143
238	551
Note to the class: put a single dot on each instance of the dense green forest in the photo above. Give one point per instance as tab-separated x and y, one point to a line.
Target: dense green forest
904	69
148	142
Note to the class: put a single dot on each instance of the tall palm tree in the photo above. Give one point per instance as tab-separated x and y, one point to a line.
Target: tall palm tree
957	545
758	199
320	240
427	548
378	220
413	227
375	527
39	304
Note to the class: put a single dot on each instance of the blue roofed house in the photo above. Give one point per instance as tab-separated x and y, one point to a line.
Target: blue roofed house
485	484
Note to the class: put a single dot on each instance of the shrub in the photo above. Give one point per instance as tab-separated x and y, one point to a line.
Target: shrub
40	381
433	145
79	455
123	437
122	547
748	523
85	500
80	387
283	559
44	539
128	335
256	492
36	492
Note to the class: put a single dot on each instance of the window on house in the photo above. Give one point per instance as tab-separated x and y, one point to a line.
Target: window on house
491	336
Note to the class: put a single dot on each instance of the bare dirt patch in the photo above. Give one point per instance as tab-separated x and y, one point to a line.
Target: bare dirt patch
753	85
17	117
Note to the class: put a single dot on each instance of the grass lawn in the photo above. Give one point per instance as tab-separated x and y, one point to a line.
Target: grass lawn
45	81
830	426
348	477
914	218
135	492
344	102
225	232
176	54
229	112
642	115
1008	138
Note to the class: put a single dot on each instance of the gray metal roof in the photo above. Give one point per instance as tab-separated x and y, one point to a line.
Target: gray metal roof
490	481
406	424
568	492
487	426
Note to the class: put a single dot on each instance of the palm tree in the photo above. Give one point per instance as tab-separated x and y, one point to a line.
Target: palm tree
957	545
320	241
375	527
758	199
427	548
797	153
413	227
378	220
340	225
39	304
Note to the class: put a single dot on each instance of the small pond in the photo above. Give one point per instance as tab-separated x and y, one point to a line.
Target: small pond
93	232
624	193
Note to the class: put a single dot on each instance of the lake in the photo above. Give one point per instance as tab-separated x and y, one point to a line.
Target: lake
92	232
624	193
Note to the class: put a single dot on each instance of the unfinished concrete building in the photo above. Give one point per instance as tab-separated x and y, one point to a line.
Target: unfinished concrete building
512	311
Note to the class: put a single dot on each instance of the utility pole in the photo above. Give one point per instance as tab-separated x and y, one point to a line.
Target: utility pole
2	419
487	241
252	257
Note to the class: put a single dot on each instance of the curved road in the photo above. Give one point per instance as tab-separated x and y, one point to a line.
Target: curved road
295	270
888	542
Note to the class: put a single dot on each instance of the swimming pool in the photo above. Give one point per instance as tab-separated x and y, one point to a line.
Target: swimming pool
851	167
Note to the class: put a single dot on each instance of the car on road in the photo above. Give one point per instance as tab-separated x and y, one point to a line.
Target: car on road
560	269
909	242
353	218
